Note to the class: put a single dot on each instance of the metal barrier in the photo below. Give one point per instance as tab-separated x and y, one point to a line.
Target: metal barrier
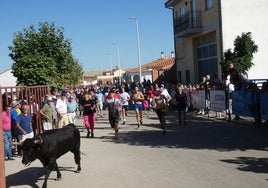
243	103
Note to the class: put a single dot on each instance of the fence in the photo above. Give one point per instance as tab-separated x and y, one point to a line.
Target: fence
252	103
33	95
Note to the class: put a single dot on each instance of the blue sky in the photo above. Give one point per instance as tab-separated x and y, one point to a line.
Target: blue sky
93	27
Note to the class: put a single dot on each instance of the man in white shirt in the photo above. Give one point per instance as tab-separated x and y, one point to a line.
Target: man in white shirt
165	92
124	98
61	108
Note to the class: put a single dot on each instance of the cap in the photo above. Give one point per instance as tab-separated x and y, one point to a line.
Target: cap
15	103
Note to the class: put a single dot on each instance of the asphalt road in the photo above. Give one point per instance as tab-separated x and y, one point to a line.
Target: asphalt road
207	153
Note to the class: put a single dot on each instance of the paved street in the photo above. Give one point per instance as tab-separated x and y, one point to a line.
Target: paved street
207	153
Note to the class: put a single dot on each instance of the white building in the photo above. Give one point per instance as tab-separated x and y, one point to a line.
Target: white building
247	16
204	30
7	79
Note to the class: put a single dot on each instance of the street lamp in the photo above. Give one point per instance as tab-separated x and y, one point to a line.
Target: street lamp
118	58
138	42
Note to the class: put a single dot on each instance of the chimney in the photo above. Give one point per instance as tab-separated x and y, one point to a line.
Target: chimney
162	55
172	54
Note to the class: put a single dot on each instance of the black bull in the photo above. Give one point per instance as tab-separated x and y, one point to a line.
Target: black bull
50	145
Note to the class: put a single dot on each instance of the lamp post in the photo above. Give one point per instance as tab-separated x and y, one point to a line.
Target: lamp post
118	58
138	43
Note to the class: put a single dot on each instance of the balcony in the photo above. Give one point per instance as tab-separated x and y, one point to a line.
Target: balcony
188	24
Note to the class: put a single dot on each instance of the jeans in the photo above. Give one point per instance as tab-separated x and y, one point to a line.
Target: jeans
8	144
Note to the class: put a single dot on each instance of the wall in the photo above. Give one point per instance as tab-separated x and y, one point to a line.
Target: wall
247	16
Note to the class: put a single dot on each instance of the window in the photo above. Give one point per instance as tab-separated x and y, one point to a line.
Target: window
179	76
209	4
182	11
207	51
187	74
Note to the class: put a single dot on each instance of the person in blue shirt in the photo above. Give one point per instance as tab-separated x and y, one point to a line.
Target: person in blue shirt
100	98
72	107
24	124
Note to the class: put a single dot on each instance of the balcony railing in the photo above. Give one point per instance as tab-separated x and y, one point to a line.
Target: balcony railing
188	24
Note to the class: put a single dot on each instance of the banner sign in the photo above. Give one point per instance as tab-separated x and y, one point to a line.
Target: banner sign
198	99
217	100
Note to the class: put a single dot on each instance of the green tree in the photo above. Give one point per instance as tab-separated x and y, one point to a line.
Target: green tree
242	55
43	56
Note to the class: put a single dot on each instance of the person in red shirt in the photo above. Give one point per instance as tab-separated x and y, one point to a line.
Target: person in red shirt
6	125
117	94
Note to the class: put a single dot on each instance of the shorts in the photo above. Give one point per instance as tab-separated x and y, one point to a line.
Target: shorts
138	106
100	105
125	107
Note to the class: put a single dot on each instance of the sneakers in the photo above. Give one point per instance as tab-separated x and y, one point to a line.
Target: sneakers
124	122
9	159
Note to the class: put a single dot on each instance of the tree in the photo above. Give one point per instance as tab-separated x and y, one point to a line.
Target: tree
43	56
242	55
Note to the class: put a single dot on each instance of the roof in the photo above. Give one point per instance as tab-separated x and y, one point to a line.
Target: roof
164	63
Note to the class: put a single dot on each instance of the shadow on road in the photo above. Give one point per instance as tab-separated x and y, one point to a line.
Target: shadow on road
30	176
199	133
253	164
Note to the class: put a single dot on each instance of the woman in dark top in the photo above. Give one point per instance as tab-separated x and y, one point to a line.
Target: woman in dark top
181	101
89	105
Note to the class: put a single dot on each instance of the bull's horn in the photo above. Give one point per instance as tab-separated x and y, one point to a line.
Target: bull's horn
38	140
